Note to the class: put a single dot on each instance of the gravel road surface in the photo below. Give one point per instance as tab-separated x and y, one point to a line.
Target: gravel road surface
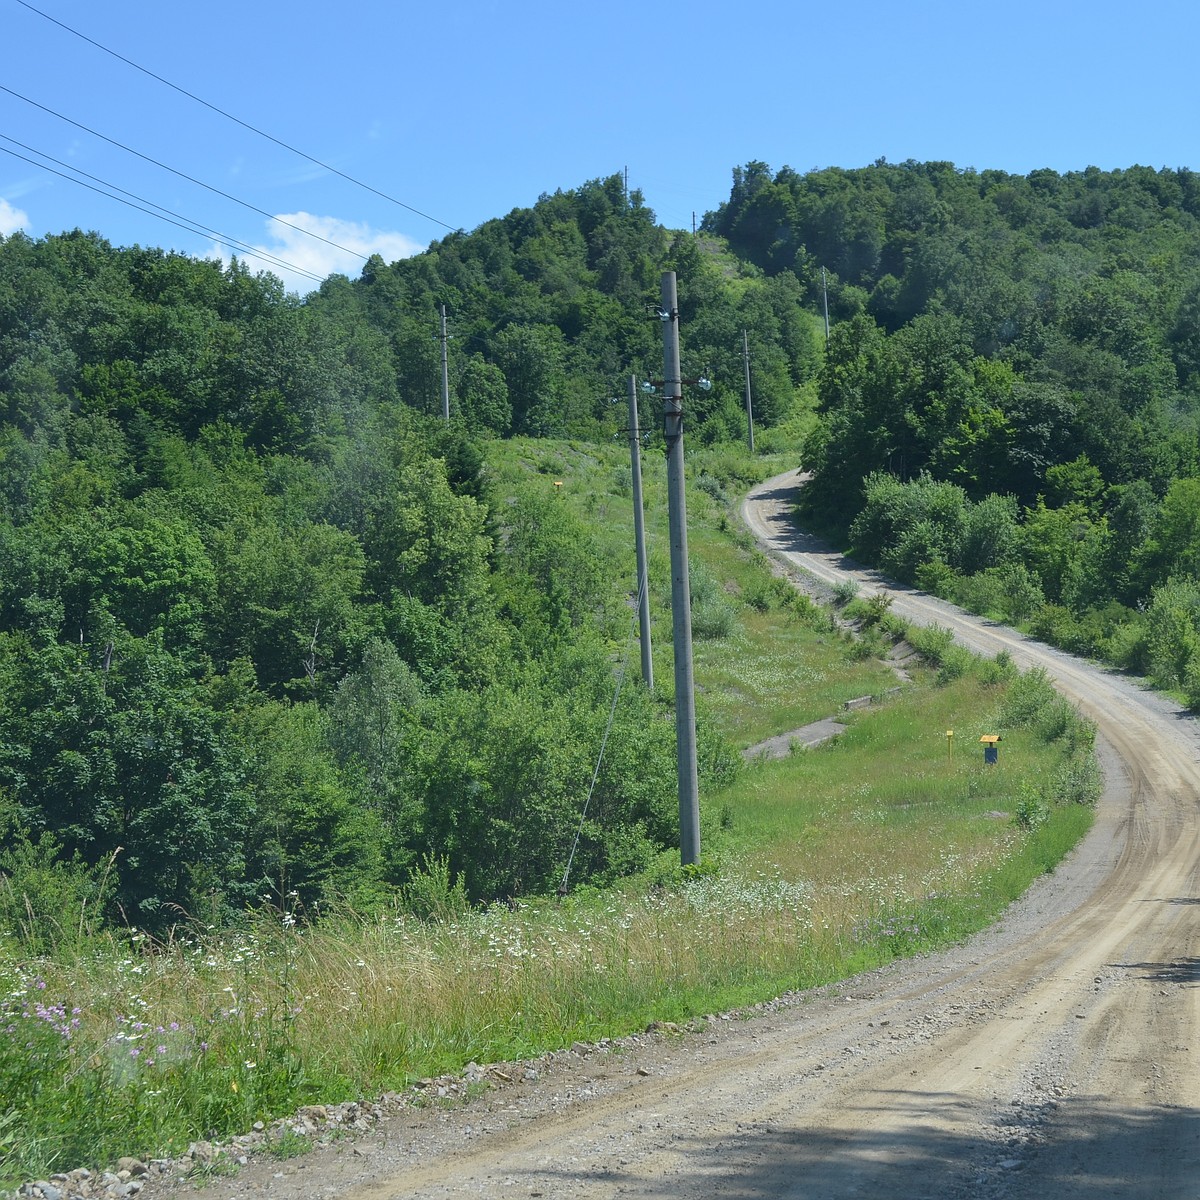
1055	1055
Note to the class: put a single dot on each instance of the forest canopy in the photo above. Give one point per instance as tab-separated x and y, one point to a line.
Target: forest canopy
269	625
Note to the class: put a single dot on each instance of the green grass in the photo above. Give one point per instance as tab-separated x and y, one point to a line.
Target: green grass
817	865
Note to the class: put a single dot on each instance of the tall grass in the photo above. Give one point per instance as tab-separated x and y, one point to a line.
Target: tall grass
821	864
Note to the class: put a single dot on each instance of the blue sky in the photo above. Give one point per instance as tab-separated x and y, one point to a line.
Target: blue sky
464	111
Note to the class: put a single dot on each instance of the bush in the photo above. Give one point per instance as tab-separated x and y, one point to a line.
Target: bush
1027	696
711	486
433	893
998	670
1032	812
1080	781
1032	703
46	898
1128	646
937	579
982	593
713	615
956	662
931	642
844	592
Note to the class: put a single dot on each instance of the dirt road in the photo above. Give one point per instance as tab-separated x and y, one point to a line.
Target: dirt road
1056	1055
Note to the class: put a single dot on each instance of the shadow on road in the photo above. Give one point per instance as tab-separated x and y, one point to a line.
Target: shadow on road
1181	970
1081	1148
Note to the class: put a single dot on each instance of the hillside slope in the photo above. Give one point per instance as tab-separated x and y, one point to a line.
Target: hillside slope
1055	1054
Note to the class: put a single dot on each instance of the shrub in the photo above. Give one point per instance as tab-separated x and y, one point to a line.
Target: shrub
432	891
47	898
711	486
931	642
844	591
1032	812
1128	645
956	662
937	578
713	615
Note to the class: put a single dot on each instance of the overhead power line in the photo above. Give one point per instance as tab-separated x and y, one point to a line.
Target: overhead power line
238	121
195	226
182	222
262	212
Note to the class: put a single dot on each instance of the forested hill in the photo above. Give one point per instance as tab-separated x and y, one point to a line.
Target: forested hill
993	325
1008	406
267	624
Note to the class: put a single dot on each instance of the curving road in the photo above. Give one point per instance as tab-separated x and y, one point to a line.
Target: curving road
1056	1055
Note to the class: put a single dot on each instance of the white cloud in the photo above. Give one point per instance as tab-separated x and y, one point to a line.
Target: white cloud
11	219
344	242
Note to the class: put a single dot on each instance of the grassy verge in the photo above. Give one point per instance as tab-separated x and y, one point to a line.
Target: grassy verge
817	865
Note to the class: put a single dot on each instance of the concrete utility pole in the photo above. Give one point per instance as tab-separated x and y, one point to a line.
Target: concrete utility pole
825	296
445	370
749	405
681	602
639	531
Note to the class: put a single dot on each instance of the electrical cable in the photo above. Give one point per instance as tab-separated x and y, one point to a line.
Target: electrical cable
224	239
238	121
262	212
612	712
182	223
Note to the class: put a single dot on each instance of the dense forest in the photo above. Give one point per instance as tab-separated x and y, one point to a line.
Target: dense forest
1009	403
268	625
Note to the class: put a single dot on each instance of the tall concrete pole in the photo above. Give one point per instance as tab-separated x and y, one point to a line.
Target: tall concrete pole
749	405
681	601
825	299
445	371
639	531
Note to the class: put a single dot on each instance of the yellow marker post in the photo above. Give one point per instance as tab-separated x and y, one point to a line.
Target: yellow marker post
950	745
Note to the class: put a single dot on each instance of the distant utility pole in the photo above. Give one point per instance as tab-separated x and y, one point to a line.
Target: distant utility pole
749	405
825	295
445	370
639	531
681	603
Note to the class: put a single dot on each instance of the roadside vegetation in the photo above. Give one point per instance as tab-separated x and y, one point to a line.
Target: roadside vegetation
816	865
303	689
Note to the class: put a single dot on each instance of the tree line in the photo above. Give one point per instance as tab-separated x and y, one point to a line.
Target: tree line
270	628
1008	409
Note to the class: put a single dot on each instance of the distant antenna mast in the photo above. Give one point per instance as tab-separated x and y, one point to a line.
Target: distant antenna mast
626	187
639	533
825	294
445	370
749	404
